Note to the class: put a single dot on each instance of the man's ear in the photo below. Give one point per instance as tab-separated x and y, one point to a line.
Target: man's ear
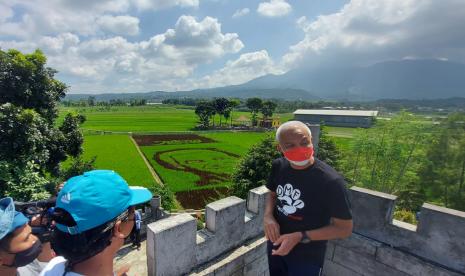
117	231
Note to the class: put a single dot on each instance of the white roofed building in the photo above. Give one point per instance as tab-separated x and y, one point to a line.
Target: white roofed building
342	118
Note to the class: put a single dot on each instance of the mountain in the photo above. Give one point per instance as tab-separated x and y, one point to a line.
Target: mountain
405	79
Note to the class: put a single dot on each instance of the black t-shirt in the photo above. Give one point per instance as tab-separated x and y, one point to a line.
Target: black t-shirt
306	200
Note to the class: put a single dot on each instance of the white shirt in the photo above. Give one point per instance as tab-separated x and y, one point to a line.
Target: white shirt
32	269
56	267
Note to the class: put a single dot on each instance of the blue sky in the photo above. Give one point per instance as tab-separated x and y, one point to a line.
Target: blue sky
145	45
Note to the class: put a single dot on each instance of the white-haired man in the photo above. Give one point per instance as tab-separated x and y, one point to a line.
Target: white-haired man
308	205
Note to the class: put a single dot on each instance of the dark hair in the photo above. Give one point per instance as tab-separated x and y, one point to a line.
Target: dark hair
80	247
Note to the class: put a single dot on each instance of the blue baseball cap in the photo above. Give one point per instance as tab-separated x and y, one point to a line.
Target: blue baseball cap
97	197
10	219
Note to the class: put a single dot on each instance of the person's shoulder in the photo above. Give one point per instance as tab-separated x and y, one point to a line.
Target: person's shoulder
278	161
34	268
56	266
327	172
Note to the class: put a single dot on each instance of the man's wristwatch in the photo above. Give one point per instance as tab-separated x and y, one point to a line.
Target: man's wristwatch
305	237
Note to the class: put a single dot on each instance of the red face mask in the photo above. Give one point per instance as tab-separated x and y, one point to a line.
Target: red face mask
299	154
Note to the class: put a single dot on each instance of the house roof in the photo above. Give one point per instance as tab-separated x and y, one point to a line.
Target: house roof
337	112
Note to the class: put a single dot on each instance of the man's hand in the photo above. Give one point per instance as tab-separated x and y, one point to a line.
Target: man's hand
271	228
123	271
38	220
286	242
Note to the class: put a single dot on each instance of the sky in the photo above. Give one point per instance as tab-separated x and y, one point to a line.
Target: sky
113	46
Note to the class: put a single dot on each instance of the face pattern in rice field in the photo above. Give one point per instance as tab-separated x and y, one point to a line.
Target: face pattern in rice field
197	168
203	162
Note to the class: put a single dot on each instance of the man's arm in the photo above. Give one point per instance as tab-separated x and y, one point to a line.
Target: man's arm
337	229
270	225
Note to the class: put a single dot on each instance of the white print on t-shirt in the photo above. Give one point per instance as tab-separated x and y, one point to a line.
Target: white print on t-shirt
289	197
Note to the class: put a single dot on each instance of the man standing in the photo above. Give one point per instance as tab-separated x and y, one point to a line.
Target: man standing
135	234
307	206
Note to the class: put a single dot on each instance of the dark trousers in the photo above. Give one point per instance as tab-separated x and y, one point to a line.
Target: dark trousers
285	266
135	237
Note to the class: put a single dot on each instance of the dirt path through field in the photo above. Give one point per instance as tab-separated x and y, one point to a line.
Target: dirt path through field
147	163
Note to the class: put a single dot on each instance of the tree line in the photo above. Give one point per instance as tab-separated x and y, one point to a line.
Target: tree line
223	107
91	101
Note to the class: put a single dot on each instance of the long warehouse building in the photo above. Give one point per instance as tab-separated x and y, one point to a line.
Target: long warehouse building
342	118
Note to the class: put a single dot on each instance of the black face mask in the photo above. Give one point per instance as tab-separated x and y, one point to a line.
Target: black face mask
27	256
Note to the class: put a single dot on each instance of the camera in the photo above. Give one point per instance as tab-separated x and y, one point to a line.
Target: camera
44	210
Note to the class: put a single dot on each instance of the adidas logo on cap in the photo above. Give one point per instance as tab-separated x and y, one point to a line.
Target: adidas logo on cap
66	198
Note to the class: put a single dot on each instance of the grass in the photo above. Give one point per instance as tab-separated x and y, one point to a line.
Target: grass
118	153
144	118
136	119
196	155
343	143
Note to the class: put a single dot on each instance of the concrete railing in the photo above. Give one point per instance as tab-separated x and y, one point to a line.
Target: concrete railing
439	235
233	240
175	247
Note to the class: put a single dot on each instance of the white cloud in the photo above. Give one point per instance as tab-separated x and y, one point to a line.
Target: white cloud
241	12
368	31
5	12
52	17
58	44
165	61
247	67
274	8
164	4
122	25
200	41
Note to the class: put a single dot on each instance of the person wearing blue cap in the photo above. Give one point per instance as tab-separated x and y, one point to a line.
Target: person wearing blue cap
94	213
18	246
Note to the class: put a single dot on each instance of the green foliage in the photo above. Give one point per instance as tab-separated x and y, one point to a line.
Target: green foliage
22	182
221	106
387	156
31	145
327	149
77	167
26	82
442	175
410	197
72	134
255	167
204	110
23	135
168	200
405	216
254	105
267	109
